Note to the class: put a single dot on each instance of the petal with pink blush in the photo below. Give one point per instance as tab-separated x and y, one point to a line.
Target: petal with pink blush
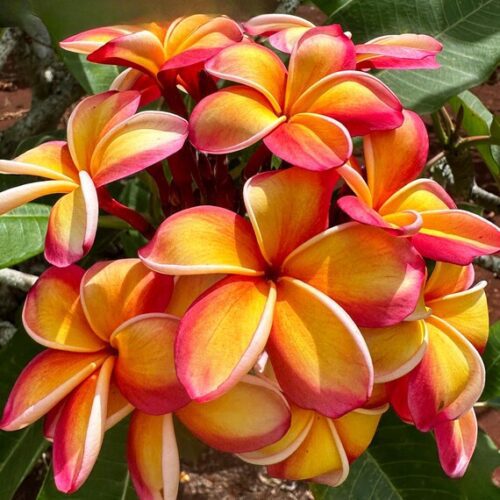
275	207
145	370
133	79
45	381
90	40
80	430
318	354
254	66
153	459
456	440
358	100
354	179
273	23
456	236
221	336
375	277
72	224
230	422
311	141
53	314
448	278
287	39
231	119
204	240
114	292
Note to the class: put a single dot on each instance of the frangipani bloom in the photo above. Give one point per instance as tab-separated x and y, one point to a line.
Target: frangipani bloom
293	285
106	142
438	394
393	199
157	50
407	51
304	115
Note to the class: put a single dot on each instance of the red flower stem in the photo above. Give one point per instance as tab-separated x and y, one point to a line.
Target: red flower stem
172	96
181	165
135	219
156	172
260	156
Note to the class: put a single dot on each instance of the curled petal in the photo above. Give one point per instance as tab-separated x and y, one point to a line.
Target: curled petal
221	336
53	314
204	240
73	224
267	24
311	141
80	430
114	292
318	354
376	278
90	40
231	119
47	379
133	79
354	179
145	370
230	422
152	455
276	208
286	40
448	278
456	440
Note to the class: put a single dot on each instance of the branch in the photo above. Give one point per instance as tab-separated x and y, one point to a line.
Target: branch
485	199
489	262
17	279
287	6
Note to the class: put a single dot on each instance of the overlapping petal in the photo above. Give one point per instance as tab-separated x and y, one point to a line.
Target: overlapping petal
118	406
448	278
90	40
378	284
222	334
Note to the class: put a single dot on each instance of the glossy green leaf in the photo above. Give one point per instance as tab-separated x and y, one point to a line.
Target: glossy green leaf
22	233
468	30
402	463
491	358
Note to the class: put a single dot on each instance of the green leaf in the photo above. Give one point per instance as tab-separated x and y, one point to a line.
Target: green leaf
495	129
402	463
477	120
109	479
468	30
22	233
491	358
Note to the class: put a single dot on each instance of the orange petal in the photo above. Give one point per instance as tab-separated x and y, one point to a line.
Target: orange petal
80	430
448	278
113	292
318	354
204	240
254	66
377	283
231	423
153	459
145	371
45	381
355	181
222	334
396	350
53	314
118	406
231	119
275	207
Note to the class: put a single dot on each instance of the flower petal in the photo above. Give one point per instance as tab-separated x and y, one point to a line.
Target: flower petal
231	119
230	422
145	370
80	430
396	350
376	278
118	406
53	314
45	381
204	240
275	207
448	380
133	79
222	334
90	40
448	278
456	440
114	292
358	100
73	224
265	24
394	158
311	141
354	179
254	66
318	53
318	354
456	236
152	455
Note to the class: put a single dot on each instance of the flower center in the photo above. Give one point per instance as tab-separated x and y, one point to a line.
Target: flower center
272	273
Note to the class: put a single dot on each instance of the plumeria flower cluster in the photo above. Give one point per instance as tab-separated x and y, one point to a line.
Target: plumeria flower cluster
280	327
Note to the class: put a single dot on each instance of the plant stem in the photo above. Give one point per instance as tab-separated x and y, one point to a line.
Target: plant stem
260	156
17	279
156	172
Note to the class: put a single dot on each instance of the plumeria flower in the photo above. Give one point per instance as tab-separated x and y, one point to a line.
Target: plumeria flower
304	115
407	51
292	285
392	198
107	141
162	52
438	394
